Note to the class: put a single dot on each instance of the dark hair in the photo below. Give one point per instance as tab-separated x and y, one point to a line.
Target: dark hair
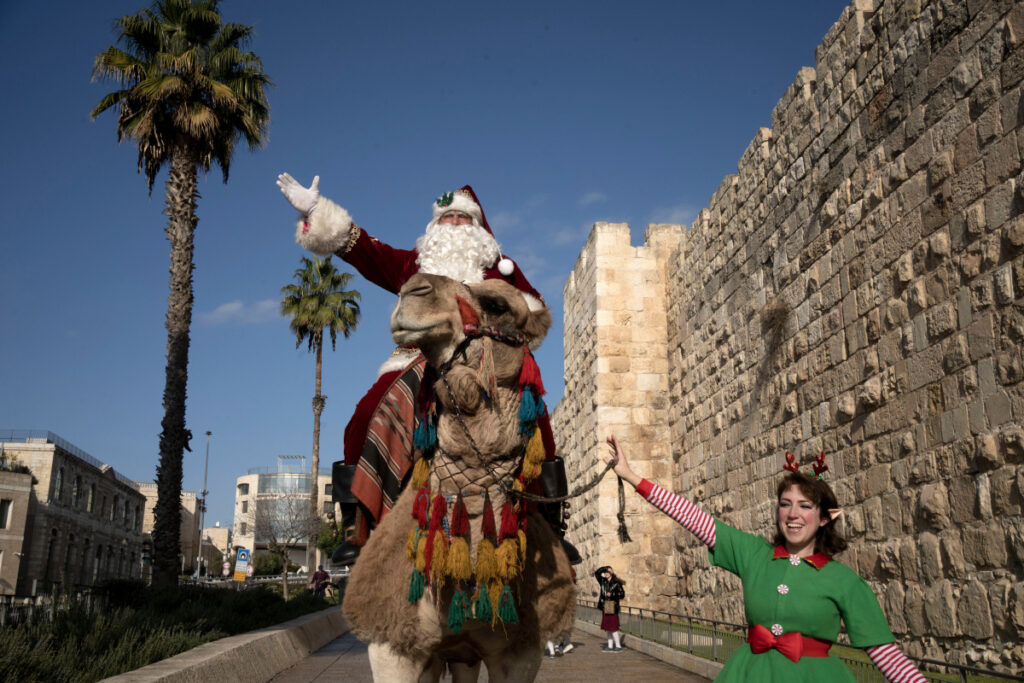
827	540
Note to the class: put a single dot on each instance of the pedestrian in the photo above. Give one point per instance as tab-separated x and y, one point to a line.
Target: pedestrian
612	592
794	605
319	581
564	645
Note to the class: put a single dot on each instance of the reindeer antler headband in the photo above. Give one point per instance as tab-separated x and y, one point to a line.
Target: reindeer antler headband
819	465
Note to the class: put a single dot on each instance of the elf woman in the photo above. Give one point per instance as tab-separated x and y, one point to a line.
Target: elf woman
612	592
793	592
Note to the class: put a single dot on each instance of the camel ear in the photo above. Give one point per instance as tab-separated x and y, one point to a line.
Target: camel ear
537	325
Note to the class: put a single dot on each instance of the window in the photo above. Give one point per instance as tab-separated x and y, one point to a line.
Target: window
5	513
328	507
90	501
137	520
103	507
243	530
113	509
58	483
245	506
328	490
243	489
76	492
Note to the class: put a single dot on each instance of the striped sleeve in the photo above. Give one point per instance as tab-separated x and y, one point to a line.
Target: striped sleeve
894	665
695	520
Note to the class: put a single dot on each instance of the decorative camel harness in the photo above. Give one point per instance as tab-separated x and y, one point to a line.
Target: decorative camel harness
438	547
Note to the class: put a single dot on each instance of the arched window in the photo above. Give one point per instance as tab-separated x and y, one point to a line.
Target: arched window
58	483
91	499
76	492
113	509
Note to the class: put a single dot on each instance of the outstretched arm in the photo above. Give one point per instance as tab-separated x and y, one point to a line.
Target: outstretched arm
894	665
693	519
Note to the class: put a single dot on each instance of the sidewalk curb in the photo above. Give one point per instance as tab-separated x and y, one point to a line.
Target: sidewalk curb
682	660
254	656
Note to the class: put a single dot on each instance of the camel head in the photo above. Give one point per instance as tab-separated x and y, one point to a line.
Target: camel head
437	314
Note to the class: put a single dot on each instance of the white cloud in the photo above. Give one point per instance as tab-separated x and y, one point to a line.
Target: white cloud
503	220
239	313
592	198
682	214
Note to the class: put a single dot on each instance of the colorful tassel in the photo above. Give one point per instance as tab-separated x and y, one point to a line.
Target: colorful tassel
486	561
530	408
421	555
522	547
507	556
438	570
529	375
424	438
494	593
421	506
507	607
420	473
410	545
482	605
509	524
460	518
459	566
487	528
417	586
457	611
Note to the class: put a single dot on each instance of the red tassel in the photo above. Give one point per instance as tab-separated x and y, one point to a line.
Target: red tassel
509	523
437	513
529	375
419	507
487	529
460	518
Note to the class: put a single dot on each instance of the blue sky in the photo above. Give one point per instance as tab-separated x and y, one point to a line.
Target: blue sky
560	114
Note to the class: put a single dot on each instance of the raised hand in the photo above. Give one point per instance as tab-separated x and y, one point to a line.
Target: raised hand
621	466
304	199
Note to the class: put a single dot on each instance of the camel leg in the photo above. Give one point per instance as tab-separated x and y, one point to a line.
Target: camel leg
389	666
508	667
464	673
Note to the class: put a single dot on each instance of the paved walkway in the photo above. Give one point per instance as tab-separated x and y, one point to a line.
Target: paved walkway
345	659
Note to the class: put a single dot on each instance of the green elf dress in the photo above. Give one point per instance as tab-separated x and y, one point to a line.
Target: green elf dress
786	594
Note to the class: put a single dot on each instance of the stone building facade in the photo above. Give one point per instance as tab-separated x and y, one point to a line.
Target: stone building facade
82	523
858	288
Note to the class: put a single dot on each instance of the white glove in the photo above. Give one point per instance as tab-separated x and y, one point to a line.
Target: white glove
303	199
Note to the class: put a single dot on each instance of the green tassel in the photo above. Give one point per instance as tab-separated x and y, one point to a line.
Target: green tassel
457	611
528	410
424	437
482	608
417	584
507	610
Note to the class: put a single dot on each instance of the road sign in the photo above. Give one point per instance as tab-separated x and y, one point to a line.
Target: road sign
241	564
225	569
250	570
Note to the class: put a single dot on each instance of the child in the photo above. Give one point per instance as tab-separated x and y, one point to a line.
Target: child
611	593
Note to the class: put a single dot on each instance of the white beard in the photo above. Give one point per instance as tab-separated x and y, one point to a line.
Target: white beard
460	252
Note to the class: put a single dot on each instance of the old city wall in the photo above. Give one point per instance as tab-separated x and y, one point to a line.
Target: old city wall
857	287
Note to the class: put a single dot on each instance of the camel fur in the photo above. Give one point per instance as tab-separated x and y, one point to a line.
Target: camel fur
412	642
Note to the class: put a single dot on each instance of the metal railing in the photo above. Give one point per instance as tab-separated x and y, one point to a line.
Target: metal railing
718	640
27	435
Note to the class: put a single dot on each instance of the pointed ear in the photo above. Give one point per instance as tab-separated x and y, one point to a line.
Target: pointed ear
833	514
537	325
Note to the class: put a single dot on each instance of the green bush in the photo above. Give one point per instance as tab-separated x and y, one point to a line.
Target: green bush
139	626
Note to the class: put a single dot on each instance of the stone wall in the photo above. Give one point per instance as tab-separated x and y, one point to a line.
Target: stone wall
857	287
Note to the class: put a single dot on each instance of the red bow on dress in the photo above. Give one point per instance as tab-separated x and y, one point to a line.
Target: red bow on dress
790	644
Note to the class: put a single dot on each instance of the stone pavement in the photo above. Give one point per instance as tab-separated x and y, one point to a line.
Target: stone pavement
345	659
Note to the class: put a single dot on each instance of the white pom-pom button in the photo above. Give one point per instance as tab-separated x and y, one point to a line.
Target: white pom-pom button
505	267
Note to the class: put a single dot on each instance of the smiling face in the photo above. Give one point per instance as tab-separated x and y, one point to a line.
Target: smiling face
799	521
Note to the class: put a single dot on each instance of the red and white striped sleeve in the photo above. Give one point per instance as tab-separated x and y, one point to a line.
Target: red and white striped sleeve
695	520
894	665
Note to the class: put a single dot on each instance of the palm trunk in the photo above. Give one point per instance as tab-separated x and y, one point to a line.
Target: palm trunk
180	210
318	408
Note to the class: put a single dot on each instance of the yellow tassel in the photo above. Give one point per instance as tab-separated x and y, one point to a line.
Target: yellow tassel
494	591
535	449
530	470
508	559
420	473
486	562
439	562
421	554
459	567
410	545
522	548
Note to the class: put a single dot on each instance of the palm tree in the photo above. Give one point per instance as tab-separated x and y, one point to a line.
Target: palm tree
319	301
188	92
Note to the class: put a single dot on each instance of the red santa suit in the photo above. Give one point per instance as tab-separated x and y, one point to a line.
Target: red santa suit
330	230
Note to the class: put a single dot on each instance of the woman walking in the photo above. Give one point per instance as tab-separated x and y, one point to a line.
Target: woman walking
794	594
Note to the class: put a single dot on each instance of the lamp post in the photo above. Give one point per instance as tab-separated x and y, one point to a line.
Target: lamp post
202	506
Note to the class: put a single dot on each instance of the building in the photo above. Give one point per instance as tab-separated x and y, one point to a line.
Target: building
216	547
188	538
65	517
271	507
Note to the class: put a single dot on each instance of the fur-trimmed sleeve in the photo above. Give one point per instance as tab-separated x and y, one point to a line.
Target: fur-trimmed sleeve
327	230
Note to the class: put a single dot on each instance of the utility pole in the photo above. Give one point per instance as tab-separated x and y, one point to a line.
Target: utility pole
202	505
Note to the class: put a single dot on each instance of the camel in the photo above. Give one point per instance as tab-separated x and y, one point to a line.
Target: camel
479	446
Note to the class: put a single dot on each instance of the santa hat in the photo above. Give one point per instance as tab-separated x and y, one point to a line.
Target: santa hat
464	200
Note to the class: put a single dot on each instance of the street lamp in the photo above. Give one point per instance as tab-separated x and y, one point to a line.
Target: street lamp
202	506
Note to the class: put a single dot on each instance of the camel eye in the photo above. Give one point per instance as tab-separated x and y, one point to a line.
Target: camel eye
493	306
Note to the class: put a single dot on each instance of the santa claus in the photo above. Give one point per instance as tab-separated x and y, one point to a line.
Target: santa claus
459	244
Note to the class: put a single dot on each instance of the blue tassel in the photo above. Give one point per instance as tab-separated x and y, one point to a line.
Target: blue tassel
528	410
424	437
